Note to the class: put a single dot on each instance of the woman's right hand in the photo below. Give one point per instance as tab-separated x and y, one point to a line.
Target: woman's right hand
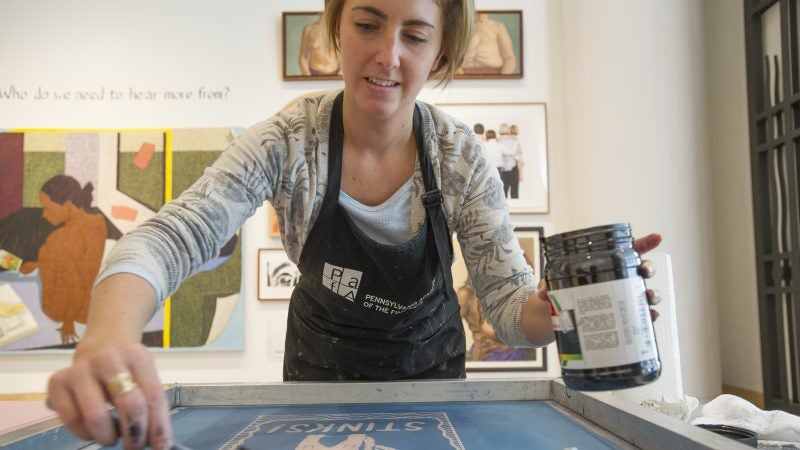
111	367
81	393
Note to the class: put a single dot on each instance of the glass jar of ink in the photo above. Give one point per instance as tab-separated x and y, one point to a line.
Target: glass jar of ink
599	309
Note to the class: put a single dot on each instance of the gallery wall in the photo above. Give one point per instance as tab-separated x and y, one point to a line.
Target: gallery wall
623	84
733	201
191	64
637	148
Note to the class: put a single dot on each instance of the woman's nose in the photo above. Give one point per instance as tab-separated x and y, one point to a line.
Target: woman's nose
389	52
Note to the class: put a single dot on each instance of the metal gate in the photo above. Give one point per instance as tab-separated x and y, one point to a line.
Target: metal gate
773	87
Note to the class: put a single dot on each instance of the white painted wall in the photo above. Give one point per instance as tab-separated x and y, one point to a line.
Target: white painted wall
629	138
636	139
732	206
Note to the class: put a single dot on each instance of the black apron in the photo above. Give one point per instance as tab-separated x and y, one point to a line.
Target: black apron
365	310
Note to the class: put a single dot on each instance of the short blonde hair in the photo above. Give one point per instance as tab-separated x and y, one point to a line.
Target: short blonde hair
458	21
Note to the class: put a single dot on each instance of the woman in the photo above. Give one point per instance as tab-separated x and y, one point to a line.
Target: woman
70	257
368	185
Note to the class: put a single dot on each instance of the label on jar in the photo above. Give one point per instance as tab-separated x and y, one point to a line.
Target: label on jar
603	324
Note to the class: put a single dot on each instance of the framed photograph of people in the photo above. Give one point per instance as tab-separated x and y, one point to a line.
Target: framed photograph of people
515	135
277	276
485	351
307	54
495	50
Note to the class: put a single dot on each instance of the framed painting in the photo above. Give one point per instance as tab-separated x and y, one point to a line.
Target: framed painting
515	136
46	275
277	276
485	351
495	50
307	54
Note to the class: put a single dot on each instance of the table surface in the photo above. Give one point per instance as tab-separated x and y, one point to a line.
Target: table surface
419	415
18	414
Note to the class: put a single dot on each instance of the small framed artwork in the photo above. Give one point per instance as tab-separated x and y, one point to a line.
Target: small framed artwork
307	53
515	137
277	276
530	239
495	50
485	351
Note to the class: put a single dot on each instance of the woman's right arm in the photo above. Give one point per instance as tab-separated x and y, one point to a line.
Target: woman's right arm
168	248
121	306
196	224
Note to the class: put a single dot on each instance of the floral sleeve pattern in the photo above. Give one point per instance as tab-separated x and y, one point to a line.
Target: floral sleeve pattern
284	160
478	214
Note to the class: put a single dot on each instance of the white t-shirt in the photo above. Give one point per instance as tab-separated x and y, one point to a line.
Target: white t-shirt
386	223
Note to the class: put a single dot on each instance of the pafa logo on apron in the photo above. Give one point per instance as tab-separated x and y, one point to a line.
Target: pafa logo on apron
342	281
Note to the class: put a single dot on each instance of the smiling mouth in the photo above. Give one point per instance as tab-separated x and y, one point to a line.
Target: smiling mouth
382	83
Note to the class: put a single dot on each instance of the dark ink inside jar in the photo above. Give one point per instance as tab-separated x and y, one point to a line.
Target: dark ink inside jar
599	309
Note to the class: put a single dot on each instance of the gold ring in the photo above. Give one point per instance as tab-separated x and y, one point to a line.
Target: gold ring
120	384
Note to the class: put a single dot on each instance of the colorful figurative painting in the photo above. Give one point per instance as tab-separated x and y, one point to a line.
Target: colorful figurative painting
66	197
485	350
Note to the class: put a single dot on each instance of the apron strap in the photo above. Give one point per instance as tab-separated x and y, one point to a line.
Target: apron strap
335	145
432	201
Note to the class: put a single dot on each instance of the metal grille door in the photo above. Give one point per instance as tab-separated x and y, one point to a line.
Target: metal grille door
773	85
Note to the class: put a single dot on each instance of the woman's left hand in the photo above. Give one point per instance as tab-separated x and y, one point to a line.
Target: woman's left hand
646	269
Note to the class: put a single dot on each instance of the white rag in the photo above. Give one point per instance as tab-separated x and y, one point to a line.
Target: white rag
735	411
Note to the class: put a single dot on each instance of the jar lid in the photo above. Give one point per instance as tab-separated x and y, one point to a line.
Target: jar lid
602	235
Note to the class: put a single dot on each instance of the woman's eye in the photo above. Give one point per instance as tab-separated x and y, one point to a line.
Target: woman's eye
417	39
366	26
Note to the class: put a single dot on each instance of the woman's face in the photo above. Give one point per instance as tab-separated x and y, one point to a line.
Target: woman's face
51	211
388	48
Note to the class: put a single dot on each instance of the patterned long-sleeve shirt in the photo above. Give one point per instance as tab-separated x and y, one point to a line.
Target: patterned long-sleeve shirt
284	160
